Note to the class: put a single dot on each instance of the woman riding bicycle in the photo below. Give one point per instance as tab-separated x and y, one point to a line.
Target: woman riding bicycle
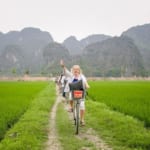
75	75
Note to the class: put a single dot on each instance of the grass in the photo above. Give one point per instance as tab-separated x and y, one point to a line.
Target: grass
121	131
30	132
121	112
129	97
15	98
66	132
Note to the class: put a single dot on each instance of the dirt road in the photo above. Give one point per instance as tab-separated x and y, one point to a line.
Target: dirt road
90	135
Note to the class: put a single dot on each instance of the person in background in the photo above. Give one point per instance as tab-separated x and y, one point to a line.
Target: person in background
61	83
75	75
66	87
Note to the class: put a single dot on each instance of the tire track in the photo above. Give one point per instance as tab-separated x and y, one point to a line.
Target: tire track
53	142
89	135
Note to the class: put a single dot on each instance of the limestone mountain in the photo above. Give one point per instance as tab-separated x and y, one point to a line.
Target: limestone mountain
34	51
28	36
29	42
52	54
93	39
12	59
141	37
73	45
117	56
76	47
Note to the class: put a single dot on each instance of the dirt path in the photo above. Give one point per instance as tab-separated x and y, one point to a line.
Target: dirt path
91	136
88	134
53	142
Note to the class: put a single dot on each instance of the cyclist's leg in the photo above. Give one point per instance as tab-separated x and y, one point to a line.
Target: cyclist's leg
70	102
82	111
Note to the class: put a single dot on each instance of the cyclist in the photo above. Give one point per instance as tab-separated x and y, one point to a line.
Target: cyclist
75	75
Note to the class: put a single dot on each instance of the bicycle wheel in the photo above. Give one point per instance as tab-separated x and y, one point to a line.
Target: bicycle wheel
74	112
77	117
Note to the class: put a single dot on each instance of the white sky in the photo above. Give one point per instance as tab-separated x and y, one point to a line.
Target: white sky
62	18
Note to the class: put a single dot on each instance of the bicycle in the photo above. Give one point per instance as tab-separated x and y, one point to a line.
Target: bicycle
77	95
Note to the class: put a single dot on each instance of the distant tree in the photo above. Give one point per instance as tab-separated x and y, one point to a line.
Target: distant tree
113	73
27	72
43	73
14	71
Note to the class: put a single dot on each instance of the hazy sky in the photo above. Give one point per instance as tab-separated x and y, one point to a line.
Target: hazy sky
62	18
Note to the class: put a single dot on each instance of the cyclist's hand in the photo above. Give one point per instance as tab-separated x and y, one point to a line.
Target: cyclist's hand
62	63
87	85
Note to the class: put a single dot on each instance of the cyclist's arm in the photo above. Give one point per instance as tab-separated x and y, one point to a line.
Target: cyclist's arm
67	73
86	85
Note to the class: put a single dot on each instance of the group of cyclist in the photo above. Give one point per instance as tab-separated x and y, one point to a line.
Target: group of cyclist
72	76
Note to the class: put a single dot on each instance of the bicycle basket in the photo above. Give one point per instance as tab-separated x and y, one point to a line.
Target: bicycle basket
77	94
77	89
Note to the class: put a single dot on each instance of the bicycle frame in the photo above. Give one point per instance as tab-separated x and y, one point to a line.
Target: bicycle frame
76	114
77	96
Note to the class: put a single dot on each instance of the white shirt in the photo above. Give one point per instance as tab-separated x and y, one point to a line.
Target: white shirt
71	77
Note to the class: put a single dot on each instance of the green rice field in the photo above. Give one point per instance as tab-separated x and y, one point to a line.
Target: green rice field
128	97
15	98
118	111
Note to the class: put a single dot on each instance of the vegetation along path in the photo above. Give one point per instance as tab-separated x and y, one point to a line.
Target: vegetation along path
53	142
86	134
90	135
